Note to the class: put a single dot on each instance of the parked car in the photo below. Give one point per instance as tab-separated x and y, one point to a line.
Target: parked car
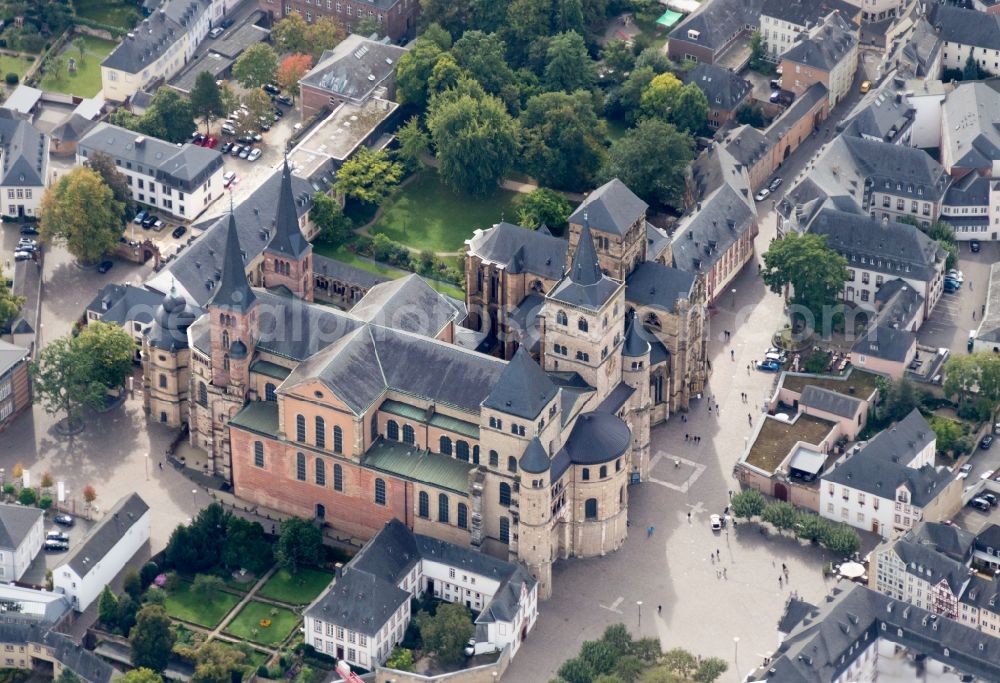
956	274
285	100
254	154
716	522
216	32
769	366
964	471
226	147
986	442
158	225
272	88
245	152
228	129
54	545
197	138
762	195
29	230
228	179
140	217
179	231
975	245
210	143
980	503
265	126
148	221
56	535
64	519
227	22
105	266
950	286
23	256
235	151
278	114
775	184
990	498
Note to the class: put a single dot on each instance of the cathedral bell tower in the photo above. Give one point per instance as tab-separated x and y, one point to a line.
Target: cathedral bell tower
233	311
288	255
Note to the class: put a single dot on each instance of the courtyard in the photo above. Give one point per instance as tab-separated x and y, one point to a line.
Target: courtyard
86	80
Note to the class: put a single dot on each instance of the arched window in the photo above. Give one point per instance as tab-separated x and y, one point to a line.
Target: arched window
590	508
494	459
604	471
380	491
269	394
585	475
338	439
320	432
505	494
300	428
561	318
225	340
582	324
202	395
423	505
462	450
445	445
442	508
512	464
475	455
300	467
163	381
392	430
320	472
409	436
504	530
338	478
463	516
618	465
258	454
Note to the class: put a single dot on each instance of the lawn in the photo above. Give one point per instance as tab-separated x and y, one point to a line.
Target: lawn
13	65
427	215
296	589
189	606
344	255
86	82
110	12
247	624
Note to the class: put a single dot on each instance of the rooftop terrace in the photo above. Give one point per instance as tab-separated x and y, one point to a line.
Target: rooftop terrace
776	438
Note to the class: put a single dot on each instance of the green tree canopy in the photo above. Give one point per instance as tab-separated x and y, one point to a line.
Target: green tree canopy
206	98
113	178
141	675
476	141
810	526
564	140
67	676
624	102
289	34
949	434
256	66
107	609
710	669
841	539
369	176
300	543
414	144
168	117
446	632
151	638
400	659
334	226
413	71
109	352
748	503
541	207
619	58
80	210
481	55
246	545
667	98
652	160
815	272
780	514
216	663
568	66
207	586
758	52
10	304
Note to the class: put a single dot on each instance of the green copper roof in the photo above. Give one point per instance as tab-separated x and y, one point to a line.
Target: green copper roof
258	416
408	462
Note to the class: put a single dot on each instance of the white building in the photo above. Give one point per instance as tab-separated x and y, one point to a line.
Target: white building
109	546
159	46
365	612
24	166
180	180
965	32
22	533
891	484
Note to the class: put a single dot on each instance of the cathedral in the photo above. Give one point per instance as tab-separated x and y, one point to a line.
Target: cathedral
523	446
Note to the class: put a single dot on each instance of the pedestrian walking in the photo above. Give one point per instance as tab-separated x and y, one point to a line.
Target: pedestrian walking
161	464
659	609
724	574
710	405
712	558
726	511
718	574
732	354
750	419
718	554
779	582
649	532
686	437
730	494
689	517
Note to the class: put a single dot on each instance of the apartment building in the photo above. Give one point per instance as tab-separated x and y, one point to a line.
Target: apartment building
827	54
783	21
15	384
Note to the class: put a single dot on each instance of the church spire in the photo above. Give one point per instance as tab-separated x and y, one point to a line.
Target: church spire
234	291
287	239
586	270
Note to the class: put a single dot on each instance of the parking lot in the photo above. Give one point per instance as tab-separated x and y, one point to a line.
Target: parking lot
48	559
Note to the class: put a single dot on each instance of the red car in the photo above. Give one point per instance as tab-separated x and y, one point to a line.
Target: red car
210	143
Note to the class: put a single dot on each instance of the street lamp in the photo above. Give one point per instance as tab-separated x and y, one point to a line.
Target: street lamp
194	492
733	290
638	603
147	466
736	655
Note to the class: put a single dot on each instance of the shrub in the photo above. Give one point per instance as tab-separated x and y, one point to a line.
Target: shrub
12	78
148	572
9	489
45	502
262	671
27	496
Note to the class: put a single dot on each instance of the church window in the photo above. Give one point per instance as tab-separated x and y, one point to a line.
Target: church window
202	395
604	471
512	464
320	432
561	318
338	478
380	491
505	494
320	472
423	505
463	516
462	450
300	428
392	430
445	447
269	392
494	459
442	508
163	381
582	324
409	436
504	530
338	439
475	455
590	508
300	467
225	340
258	454
585	475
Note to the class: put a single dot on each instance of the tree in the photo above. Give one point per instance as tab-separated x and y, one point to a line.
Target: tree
107	609
841	539
369	176
80	210
10	304
541	207
321	35
206	98
748	503
690	110
454	16
758	53
89	494
680	661
576	670
57	67
780	514
334	226
810	526
619	58
367	27
482	55
291	71
27	496
109	352
816	362
230	100
476	141
142	675
971	70
815	272
413	72
901	399
652	159
413	144
568	66
256	66
752	115
67	676
151	638
113	178
215	663
61	380
132	584
624	102
169	117
47	480
81	47
445	74
259	107
564	140
949	434
667	98
289	34
246	545
128	610
401	659
710	669
600	655
207	586
446	633
660	95
200	545
300	543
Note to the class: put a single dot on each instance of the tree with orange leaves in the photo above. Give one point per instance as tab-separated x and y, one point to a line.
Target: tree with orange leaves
291	70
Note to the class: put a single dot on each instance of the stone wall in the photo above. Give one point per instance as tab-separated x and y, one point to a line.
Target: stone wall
488	673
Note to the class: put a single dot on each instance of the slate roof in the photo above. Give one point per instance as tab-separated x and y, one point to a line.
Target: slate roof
585	285
367	592
965	26
88	666
982	593
25	152
946	539
610	208
597	438
171	321
534	460
287	239
520	250
636	345
233	291
155	35
10	356
118	304
522	388
355	68
972	190
805	13
915	56
988	537
887	343
408	304
73	128
830	401
186	167
717	22
658	286
823	645
825	47
15	523
932	566
882	114
896	249
723	88
656	241
705	236
105	534
902	441
344	272
898	303
970	121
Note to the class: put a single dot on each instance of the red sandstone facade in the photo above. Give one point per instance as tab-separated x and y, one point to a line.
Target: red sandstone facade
399	21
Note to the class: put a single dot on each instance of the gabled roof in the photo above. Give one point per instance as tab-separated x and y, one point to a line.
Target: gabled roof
73	128
882	114
830	401
887	343
585	285
287	239
10	355
714	24
658	286
408	304
902	441
946	539
16	522
806	13
344	272
354	68
25	152
610	208
705	236
825	47
233	291
520	250
155	36
970	121
106	534
931	566
961	26
723	88
118	304
522	389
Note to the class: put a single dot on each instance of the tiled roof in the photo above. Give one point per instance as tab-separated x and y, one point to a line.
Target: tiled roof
105	534
15	523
